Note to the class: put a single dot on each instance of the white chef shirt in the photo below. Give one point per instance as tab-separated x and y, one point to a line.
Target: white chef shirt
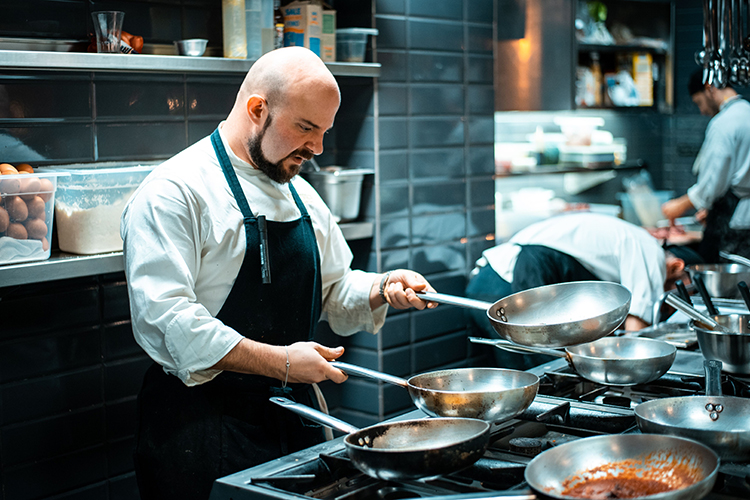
184	243
610	248
724	161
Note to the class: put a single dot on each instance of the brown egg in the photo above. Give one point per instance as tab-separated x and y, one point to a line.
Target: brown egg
16	208
24	167
45	244
36	228
17	231
46	190
37	209
10	186
7	168
4	220
30	186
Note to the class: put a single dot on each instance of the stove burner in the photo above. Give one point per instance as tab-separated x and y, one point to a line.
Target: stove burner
622	401
526	446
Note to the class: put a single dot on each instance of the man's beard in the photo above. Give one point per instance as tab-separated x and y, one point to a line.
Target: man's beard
274	171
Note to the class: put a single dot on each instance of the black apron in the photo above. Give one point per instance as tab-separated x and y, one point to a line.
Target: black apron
717	234
189	436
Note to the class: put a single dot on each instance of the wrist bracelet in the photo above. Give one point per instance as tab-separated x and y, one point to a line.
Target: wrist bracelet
286	377
383	282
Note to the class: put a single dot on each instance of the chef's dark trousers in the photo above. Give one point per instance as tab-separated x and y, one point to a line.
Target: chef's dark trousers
719	236
536	265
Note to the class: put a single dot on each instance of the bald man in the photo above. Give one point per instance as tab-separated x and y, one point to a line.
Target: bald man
231	260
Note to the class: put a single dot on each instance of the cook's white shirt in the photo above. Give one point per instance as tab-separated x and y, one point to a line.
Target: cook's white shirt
184	243
610	248
724	161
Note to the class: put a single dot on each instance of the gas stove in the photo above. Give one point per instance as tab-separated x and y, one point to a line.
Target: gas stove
566	408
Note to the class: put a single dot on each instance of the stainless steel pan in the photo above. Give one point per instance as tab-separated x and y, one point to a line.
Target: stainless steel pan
611	360
720	422
732	348
552	315
408	449
491	394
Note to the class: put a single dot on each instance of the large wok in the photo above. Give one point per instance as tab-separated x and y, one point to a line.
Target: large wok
414	449
491	394
408	449
611	361
720	422
552	315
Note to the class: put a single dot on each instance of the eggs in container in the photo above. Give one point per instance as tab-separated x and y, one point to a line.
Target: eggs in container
26	209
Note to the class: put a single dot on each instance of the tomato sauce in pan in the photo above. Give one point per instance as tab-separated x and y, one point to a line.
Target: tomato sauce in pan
632	479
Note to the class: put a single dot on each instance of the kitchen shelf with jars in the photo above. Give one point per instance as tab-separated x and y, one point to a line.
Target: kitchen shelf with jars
624	55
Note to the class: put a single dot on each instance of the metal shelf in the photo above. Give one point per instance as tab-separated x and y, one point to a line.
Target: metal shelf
62	265
82	61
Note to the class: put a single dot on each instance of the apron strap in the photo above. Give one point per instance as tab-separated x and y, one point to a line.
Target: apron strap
231	176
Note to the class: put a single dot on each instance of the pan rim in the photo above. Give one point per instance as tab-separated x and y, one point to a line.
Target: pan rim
406	423
577	320
483	369
671	348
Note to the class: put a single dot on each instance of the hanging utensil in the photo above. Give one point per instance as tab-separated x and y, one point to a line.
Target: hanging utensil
705	296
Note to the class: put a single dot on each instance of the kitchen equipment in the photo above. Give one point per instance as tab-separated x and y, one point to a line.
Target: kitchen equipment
340	188
194	47
704	295
744	293
552	315
685	308
351	43
108	28
737	259
491	394
732	348
607	463
409	449
720	422
609	360
720	279
682	291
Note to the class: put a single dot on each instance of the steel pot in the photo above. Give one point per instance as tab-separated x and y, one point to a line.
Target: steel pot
732	348
340	188
557	315
721	279
610	361
492	394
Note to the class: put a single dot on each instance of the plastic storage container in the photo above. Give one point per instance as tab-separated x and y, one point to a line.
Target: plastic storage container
26	202
89	204
351	43
648	206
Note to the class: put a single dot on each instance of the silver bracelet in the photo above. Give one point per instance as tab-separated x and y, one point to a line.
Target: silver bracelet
286	377
382	286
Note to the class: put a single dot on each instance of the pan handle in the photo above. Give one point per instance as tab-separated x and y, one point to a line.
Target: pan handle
510	346
366	372
712	368
314	415
682	306
442	298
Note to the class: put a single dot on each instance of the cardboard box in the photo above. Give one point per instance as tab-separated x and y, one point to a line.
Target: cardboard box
303	25
328	36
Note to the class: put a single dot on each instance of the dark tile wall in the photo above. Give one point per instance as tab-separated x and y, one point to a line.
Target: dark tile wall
434	119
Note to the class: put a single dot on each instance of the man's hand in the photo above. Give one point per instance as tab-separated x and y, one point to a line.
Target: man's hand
675	208
400	290
309	362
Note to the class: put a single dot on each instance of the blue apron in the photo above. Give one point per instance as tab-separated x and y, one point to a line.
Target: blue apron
189	436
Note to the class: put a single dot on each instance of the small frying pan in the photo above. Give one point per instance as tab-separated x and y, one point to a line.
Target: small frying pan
720	422
491	394
407	449
609	361
556	315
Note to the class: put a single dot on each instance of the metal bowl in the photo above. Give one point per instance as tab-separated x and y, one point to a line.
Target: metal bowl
732	349
340	188
194	47
721	279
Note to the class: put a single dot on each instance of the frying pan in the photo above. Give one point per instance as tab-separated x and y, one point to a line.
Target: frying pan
552	315
491	394
720	422
407	449
414	449
609	361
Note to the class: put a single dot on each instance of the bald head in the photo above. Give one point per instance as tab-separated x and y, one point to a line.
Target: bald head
283	73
